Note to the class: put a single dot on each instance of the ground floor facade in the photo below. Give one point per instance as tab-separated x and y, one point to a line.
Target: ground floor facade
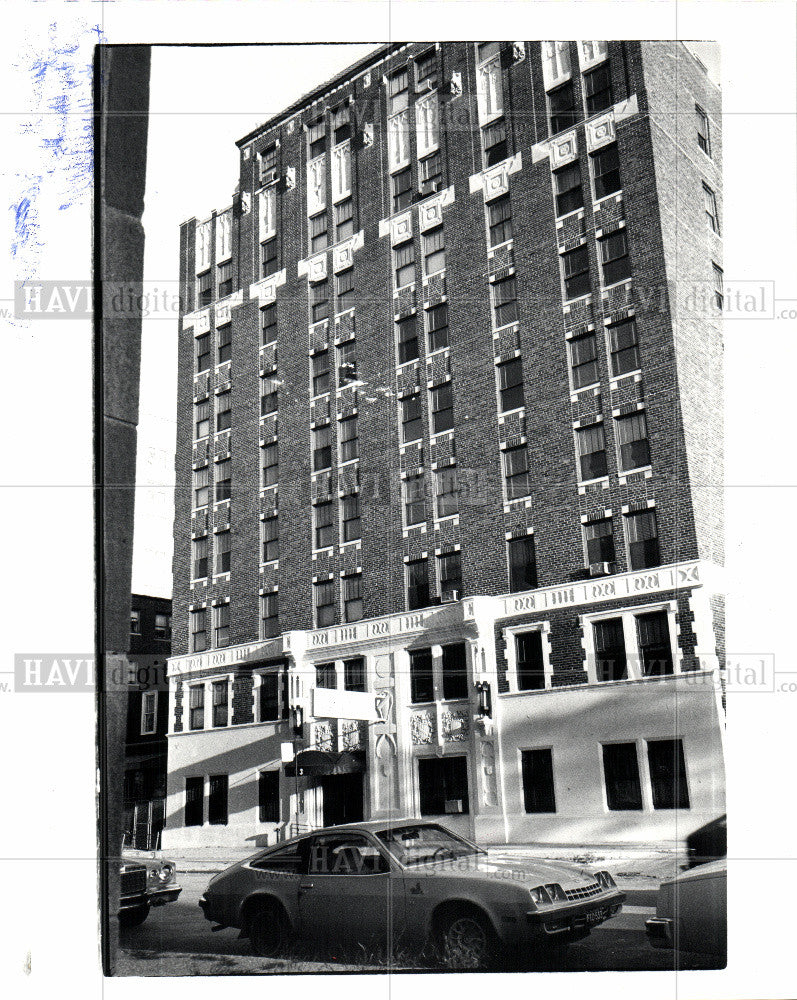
590	712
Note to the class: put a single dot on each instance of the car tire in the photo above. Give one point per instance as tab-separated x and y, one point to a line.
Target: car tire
467	941
132	918
267	927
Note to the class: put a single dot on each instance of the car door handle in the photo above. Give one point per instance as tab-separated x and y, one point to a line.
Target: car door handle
305	885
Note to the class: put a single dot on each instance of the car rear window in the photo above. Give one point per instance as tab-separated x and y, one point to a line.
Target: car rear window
281	859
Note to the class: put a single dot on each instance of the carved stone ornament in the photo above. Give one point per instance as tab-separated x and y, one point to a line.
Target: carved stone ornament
456	84
290	178
368	134
422	729
456	726
518	52
351	734
317	267
430	213
343	253
202	324
246	203
401	228
563	150
600	131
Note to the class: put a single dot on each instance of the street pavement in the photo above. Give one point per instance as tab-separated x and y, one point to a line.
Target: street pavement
176	940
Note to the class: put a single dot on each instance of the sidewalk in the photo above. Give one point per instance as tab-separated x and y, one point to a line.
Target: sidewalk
641	866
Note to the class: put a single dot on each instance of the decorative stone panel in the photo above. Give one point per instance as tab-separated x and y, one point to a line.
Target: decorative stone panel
430	212
456	725
322	735
423	728
352	734
600	131
564	149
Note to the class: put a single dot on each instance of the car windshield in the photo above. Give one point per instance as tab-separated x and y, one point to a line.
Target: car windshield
422	844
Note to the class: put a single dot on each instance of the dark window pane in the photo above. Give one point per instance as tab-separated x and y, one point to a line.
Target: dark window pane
269	698
417	584
643	542
407	332
538	790
562	104
217	800
421	685
569	192
194	801
621	771
610	656
443	786
412	422
442	408
655	651
354	674
584	360
668	774
614	257
268	796
599	536
576	272
530	661
510	384
624	347
522	564
598	89
455	671
606	170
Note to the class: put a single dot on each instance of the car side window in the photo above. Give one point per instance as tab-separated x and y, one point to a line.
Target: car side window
346	855
287	859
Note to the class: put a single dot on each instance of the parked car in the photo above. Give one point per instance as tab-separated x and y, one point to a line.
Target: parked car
143	884
707	843
407	884
691	913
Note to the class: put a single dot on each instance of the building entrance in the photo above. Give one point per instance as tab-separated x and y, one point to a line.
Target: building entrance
342	798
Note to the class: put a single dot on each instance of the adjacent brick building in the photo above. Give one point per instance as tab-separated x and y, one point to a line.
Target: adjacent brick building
449	454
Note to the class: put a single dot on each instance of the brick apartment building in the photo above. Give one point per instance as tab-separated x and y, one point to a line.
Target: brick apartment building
449	455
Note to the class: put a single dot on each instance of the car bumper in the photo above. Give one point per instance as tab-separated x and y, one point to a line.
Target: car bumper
575	920
659	932
168	894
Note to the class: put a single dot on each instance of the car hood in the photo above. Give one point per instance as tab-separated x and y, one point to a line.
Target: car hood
530	872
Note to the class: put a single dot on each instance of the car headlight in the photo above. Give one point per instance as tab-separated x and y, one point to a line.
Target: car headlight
556	892
540	895
166	872
154	874
605	880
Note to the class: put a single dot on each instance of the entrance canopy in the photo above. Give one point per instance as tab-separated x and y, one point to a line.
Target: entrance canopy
321	762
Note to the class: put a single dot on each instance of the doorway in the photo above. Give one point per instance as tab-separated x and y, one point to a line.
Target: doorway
342	798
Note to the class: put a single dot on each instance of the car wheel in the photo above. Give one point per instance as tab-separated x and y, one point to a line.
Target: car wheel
467	941
132	918
268	930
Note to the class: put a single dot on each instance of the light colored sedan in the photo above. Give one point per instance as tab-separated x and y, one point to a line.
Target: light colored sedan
403	886
691	911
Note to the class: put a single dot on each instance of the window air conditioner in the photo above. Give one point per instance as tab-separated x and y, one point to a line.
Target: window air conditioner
601	569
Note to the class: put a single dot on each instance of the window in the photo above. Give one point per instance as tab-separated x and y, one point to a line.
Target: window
269	257
442	408
325	676
569	193
449	572
319	364
624	347
614	257
421	678
223	480
434	252
710	202
719	290
510	385
584	359
522	563
268	796
411	420
221	709
269	395
437	326
516	472
217	800
537	775
205	289
621	773
268	161
505	301
598	89
225	279
223	553
562	108
194	801
407	336
323	515
318	232
606	171
269	615
163	626
414	500
402	189
135	623
196	706
632	437
655	652
344	220
426	70
494	142
345	290
431	174
354	674
271	544
404	264
575	266
668	774
591	451
202	352
270	455
499	220
443	786
446	491
599	541
350	516
199	558
530	661
223	410
353	604
417	584
643	540
348	855
202	419
347	437
316	138
319	301
611	663
149	712
201	488
341	124
486	51
703	134
269	697
347	362
322	448
398	91
455	672
268	323
324	600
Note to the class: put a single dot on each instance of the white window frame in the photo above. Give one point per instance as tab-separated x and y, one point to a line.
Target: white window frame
556	66
510	634
490	90
144	731
630	640
427	124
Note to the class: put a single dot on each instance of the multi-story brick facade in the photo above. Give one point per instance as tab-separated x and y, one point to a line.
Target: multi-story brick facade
449	441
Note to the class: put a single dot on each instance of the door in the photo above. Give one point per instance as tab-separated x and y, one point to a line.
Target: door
350	894
343	798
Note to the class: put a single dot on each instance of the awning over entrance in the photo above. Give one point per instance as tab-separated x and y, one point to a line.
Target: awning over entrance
320	762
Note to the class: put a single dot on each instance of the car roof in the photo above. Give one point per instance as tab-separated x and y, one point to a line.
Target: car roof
372	825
